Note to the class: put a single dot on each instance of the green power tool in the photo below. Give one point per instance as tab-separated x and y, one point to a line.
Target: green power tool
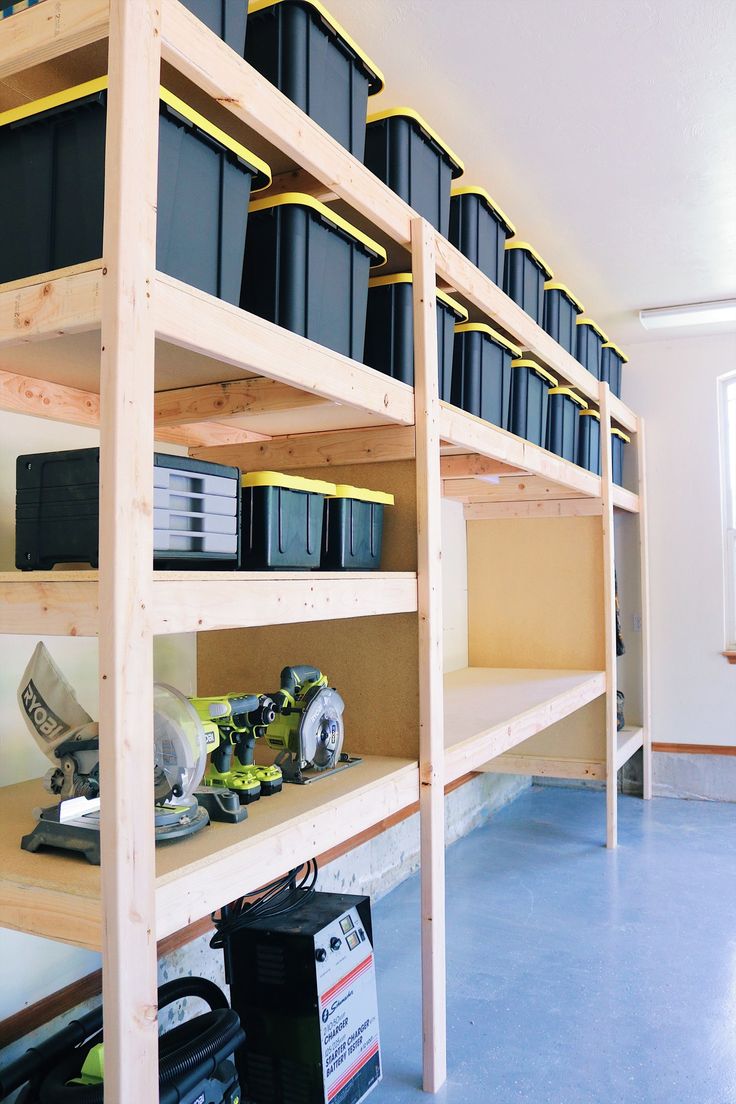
234	722
308	728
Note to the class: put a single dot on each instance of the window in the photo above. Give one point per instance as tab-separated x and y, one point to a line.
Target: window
728	480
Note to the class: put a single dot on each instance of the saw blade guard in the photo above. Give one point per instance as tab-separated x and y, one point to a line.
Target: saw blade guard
180	748
322	730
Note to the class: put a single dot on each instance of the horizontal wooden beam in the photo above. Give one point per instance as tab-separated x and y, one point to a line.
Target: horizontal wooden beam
310	450
515	488
470	464
564	507
61	302
546	767
48	31
256	395
297	180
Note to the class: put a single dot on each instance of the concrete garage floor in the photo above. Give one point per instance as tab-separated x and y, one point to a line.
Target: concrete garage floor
575	974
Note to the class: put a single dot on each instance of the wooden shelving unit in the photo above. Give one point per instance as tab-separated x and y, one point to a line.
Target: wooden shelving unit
118	345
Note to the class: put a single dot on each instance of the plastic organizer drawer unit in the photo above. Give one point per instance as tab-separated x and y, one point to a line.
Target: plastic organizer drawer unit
307	269
227	18
561	310
612	362
530	387
524	277
402	149
590	340
52	177
353	528
563	422
480	229
282	519
589	441
298	46
619	440
481	372
196	514
389	333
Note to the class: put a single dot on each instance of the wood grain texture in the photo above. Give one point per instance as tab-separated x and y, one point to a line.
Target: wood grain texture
317	450
609	617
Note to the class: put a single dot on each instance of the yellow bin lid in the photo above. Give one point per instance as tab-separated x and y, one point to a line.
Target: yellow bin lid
593	325
287	482
375	76
592	413
261	180
524	363
527	248
480	327
615	432
406	278
458	167
553	285
617	351
363	494
570	394
300	199
471	189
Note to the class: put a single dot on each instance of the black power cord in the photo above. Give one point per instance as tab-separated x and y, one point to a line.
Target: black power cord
279	898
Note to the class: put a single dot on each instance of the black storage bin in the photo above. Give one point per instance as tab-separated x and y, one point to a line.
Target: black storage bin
561	309
589	441
389	332
196	511
563	422
619	440
403	150
523	278
352	534
307	269
52	178
530	386
227	18
590	339
612	362
481	372
479	229
282	518
300	48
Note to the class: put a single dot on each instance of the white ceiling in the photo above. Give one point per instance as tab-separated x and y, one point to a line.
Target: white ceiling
606	129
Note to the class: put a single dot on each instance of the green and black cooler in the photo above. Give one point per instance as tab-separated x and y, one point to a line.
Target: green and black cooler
303	50
389	333
52	179
402	149
282	517
589	441
530	387
612	362
481	372
307	269
563	422
523	278
480	229
353	528
561	310
590	339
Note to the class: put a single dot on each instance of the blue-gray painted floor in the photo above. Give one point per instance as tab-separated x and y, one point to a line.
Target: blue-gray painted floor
575	974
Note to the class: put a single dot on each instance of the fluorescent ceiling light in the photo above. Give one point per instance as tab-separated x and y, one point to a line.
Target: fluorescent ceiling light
689	314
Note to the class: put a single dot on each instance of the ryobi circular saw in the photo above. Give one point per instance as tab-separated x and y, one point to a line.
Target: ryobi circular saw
308	729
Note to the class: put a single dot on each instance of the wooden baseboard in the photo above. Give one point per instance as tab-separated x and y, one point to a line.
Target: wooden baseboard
696	749
64	1000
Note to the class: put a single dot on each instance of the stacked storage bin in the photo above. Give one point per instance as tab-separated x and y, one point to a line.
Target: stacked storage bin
227	18
589	441
352	535
481	372
524	277
619	440
389	341
480	229
52	177
612	362
563	422
561	309
530	387
402	149
307	269
590	339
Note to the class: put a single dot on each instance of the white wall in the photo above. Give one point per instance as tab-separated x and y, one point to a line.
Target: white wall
454	586
53	964
673	384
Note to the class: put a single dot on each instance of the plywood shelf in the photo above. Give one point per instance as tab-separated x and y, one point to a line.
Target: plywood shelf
628	741
58	895
66	603
489	710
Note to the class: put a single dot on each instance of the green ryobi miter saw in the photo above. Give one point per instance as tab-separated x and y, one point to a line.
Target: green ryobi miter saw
308	729
235	722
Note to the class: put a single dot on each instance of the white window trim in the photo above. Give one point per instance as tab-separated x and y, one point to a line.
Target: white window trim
728	498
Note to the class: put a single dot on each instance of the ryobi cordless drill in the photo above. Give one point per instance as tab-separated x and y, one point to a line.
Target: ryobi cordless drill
238	720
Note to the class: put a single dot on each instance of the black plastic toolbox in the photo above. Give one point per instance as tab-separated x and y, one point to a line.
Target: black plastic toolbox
303	50
352	534
589	441
481	372
612	362
590	339
561	310
52	178
563	422
402	149
619	440
227	18
530	387
480	229
389	332
282	518
524	277
196	511
307	269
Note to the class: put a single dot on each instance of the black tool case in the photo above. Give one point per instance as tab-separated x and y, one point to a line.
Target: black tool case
196	515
